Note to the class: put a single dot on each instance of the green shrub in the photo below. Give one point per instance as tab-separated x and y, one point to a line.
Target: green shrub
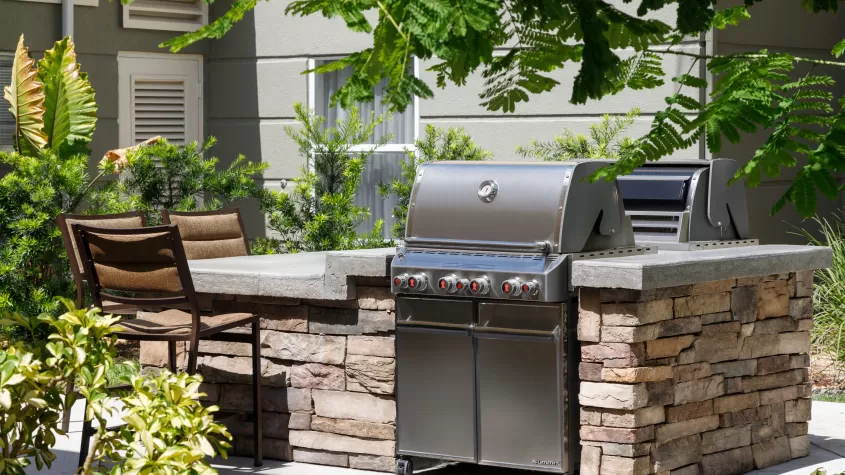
435	145
604	141
161	175
319	213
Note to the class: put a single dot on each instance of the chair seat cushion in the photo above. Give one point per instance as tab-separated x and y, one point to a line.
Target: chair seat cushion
178	322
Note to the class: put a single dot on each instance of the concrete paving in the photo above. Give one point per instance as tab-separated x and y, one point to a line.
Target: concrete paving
827	451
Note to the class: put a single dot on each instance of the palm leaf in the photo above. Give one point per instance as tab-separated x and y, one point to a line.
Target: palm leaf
71	111
27	102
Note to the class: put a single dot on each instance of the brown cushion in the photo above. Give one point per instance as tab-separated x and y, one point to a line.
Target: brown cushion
211	236
178	322
135	262
112	223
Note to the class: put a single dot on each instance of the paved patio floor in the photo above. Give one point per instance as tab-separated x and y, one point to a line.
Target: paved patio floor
827	450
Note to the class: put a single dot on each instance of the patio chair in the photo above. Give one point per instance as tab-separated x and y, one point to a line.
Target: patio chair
151	263
132	219
210	234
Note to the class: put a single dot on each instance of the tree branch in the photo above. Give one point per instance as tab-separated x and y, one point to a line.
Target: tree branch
797	59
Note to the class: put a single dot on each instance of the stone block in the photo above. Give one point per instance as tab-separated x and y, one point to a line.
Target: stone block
616	434
384	346
238	397
689	372
307	348
636	375
799	446
702	304
675	430
803	281
693	410
795	429
771	452
678	326
211	391
349	321
713	287
629	334
632	419
797	410
612	465
667	347
729	462
300	421
699	389
225	369
317	376
768	428
373	463
688	470
750	280
774	299
744	417
747	329
356	406
801	308
620	450
278	449
773	325
745	303
367	430
718	317
227	348
719	328
774	364
155	353
320	458
613	396
375	298
717	348
634	314
728	438
372	374
275	425
589	371
804	390
774	396
735	402
660	393
276	314
609	295
804	325
686	356
676	453
758	346
733	385
590	416
589	315
614	355
590	460
733	369
772	381
341	443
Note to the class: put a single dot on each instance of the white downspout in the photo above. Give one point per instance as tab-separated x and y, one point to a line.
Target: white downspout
67	18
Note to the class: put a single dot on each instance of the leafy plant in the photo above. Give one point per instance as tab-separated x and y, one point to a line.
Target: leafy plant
319	213
531	39
605	141
435	145
159	175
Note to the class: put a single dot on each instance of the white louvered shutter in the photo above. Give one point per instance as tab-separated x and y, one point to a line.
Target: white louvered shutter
7	121
166	15
159	108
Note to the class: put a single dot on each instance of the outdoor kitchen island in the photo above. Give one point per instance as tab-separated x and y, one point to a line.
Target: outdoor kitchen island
692	362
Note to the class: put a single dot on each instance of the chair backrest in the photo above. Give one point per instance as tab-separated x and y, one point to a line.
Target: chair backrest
132	219
210	234
140	260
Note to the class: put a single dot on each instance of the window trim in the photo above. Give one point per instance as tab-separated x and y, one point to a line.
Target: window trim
81	3
10	55
160	24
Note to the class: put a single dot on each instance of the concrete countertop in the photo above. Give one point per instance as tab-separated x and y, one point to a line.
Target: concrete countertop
310	275
671	268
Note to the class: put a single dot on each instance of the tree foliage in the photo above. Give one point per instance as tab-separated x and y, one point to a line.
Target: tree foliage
435	145
516	46
605	141
319	213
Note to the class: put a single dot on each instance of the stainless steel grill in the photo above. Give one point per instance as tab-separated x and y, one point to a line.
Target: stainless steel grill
687	205
486	352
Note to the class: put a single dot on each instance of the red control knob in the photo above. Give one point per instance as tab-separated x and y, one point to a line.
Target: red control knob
417	282
401	281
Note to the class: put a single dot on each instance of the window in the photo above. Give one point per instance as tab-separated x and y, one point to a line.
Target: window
7	121
384	165
166	15
159	95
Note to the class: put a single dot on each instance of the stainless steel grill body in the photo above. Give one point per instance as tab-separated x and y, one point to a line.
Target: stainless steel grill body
486	352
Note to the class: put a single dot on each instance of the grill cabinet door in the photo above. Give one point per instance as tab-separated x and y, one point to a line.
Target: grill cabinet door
434	394
520	400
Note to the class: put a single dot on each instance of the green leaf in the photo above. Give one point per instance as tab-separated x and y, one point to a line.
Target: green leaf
803	195
838	48
26	99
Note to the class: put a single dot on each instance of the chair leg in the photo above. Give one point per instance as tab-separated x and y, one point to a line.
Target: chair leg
257	401
193	352
85	445
171	356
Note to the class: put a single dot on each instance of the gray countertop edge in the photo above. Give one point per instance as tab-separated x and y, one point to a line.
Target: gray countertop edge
669	269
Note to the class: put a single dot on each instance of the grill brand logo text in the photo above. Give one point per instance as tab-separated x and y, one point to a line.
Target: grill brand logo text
545	462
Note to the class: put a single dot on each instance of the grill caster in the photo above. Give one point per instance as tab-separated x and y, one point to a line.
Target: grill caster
404	467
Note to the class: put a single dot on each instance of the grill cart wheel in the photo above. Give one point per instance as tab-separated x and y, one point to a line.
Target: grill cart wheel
404	467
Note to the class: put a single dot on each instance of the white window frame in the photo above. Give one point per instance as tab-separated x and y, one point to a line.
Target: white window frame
4	108
161	24
124	90
81	3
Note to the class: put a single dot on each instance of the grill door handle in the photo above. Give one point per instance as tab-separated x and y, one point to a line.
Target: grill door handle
504	246
494	333
431	327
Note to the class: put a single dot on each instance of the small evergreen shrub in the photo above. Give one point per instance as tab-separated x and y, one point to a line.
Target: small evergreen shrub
604	141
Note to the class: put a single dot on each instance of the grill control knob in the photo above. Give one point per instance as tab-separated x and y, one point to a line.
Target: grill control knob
512	287
479	286
530	288
401	281
462	284
448	284
417	282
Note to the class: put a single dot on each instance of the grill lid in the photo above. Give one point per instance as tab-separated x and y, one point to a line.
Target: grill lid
520	207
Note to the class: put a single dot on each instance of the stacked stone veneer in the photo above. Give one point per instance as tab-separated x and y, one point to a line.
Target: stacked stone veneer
709	378
328	377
